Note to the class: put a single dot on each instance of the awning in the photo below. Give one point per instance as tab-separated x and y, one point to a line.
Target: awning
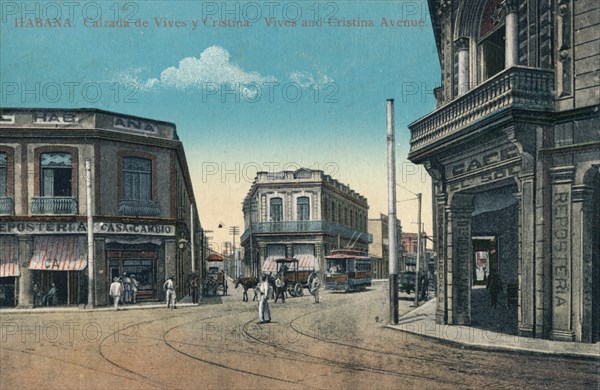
215	257
305	262
59	253
9	257
270	265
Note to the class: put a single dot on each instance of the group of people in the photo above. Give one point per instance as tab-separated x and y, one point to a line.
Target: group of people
49	298
264	291
124	290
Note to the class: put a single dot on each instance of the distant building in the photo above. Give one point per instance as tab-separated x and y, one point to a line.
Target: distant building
144	219
514	154
409	242
302	214
379	248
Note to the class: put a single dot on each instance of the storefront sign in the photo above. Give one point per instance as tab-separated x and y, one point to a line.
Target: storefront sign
54	117
134	124
81	228
478	162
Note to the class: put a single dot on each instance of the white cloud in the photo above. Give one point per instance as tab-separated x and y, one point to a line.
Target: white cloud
212	67
307	80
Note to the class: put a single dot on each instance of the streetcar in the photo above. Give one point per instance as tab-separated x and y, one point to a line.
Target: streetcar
347	270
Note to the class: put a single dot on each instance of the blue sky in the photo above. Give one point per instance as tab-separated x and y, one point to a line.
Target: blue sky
322	88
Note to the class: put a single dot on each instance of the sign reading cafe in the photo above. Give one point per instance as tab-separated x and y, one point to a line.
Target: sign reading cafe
81	228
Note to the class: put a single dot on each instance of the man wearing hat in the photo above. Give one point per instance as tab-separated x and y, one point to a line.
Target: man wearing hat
116	290
169	288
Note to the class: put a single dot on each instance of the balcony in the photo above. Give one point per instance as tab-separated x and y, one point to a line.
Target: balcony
139	208
318	227
514	88
7	206
54	205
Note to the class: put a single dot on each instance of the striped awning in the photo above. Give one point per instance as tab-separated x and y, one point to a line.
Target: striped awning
9	256
59	253
270	265
306	262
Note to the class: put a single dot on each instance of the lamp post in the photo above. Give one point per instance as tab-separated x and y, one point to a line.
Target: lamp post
234	230
419	197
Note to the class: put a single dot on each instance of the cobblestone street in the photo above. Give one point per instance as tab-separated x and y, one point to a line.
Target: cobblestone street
341	343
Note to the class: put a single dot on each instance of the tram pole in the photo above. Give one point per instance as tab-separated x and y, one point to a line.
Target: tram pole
392	234
90	234
419	252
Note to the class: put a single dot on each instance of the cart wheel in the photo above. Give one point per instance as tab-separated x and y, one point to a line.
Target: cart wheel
298	289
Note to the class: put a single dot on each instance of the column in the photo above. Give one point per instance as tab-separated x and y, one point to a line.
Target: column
511	43
262	253
26	277
170	262
102	274
526	312
462	47
561	263
583	262
320	258
460	255
441	316
289	251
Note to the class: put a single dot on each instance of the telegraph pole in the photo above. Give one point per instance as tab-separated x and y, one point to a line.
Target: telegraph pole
392	235
419	254
90	233
234	230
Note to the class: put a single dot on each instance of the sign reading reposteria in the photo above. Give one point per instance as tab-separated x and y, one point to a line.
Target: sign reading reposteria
81	228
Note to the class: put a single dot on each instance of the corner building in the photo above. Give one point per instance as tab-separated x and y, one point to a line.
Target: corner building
302	214
144	218
513	149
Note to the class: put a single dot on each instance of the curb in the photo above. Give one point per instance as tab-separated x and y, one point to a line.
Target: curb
85	310
542	350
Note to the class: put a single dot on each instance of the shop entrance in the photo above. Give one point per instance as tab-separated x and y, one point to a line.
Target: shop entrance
69	288
141	264
494	260
7	291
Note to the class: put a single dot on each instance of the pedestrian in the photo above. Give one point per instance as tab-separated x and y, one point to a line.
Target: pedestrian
315	287
50	296
115	292
264	315
494	286
169	288
127	291
37	295
194	289
134	288
423	285
279	288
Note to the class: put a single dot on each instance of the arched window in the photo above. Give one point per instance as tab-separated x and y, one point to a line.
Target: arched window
492	36
303	208
276	209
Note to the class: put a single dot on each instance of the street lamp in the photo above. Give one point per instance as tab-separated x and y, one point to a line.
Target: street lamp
418	265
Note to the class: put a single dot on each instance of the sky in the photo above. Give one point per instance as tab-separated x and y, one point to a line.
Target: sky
264	85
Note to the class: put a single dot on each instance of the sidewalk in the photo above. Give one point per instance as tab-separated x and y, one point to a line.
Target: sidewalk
421	321
81	308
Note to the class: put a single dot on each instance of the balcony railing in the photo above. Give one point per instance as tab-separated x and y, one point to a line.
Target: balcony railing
306	227
7	206
54	205
139	208
516	87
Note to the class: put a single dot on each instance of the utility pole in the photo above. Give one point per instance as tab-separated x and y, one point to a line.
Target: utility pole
90	233
419	254
392	236
234	230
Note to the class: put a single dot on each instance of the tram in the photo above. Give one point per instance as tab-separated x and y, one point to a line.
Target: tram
347	270
215	279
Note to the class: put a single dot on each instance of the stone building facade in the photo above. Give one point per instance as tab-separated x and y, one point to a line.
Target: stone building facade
379	247
144	219
302	214
513	149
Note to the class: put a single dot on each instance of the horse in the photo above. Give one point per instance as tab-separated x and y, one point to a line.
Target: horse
247	283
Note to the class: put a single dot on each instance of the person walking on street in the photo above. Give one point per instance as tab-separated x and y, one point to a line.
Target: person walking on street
494	286
264	315
134	288
127	292
37	295
50	296
116	290
169	288
315	286
194	290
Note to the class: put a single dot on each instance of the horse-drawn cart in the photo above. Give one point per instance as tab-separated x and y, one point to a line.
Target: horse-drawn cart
215	279
294	279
